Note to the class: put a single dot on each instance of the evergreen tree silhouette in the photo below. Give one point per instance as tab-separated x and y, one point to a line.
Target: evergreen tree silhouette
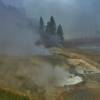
41	27
51	26
60	33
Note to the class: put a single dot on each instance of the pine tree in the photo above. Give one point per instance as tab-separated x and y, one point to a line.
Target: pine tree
51	26
48	28
41	27
60	33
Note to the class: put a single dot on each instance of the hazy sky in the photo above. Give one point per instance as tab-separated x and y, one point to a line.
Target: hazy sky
78	17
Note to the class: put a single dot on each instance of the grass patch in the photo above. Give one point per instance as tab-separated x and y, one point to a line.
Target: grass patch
5	95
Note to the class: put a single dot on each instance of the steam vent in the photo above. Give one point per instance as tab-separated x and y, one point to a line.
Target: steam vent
49	49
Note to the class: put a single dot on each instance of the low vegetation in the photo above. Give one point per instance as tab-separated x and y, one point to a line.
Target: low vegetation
7	95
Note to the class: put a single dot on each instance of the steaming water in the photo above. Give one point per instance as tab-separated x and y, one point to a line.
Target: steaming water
18	34
47	75
40	50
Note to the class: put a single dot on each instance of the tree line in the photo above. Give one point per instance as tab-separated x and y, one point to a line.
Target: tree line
50	34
